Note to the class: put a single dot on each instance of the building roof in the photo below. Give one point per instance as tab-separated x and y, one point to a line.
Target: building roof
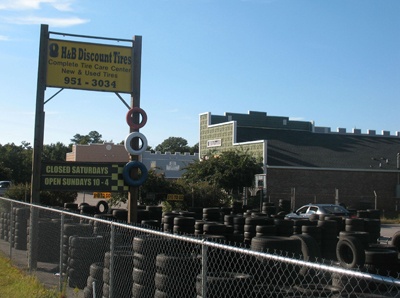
302	148
301	144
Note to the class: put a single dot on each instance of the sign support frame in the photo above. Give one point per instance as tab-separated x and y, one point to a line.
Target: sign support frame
133	194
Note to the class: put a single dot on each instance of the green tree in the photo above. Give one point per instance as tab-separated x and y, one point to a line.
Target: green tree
173	144
55	152
194	149
91	138
16	162
229	170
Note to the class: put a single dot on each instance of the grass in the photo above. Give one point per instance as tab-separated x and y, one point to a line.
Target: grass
16	284
385	220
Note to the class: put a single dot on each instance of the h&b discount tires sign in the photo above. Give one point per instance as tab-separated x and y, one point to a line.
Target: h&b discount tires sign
79	176
89	66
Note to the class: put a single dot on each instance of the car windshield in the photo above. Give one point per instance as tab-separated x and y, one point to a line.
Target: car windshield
334	209
4	184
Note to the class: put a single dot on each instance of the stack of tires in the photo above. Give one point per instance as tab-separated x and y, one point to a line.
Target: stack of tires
117	274
268	208
286	246
199	227
284	227
94	283
155	213
214	230
83	252
5	225
266	229
71	229
168	221
212	214
145	251
250	226
238	224
297	225
21	216
328	238
49	241
176	275
284	206
184	225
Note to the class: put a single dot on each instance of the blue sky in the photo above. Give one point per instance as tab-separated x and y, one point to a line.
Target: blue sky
336	63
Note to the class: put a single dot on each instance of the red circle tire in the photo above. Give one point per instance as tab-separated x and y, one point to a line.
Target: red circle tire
129	118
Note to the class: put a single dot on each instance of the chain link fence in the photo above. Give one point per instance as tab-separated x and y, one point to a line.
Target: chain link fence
187	255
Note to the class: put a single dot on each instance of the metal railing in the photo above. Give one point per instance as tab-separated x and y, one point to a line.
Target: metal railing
98	256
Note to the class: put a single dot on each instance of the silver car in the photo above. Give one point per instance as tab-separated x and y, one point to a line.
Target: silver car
4	185
307	210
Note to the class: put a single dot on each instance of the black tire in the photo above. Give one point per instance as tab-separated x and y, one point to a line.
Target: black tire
363	237
106	275
102	207
174	264
268	230
120	214
142	277
277	244
234	285
97	282
160	294
106	290
381	257
354	225
315	290
214	228
309	247
141	291
350	253
395	241
96	270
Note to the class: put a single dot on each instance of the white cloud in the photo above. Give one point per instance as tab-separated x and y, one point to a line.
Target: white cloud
3	38
54	22
61	5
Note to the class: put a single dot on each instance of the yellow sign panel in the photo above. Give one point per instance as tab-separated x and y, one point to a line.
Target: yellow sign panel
89	66
102	195
175	197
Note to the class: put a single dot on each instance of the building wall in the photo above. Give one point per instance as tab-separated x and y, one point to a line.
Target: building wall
355	188
102	152
172	165
222	137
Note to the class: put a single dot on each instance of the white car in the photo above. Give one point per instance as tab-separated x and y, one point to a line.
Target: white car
4	186
307	210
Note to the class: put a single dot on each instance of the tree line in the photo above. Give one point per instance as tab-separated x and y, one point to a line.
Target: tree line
216	179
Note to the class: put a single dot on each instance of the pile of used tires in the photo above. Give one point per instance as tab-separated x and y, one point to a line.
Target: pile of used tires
150	266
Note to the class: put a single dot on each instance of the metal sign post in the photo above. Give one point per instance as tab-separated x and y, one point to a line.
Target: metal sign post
38	148
133	195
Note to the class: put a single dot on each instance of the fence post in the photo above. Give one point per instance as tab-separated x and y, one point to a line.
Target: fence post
204	270
12	225
293	198
33	238
336	196
61	253
111	269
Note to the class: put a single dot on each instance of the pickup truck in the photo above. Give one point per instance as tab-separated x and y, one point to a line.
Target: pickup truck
4	185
